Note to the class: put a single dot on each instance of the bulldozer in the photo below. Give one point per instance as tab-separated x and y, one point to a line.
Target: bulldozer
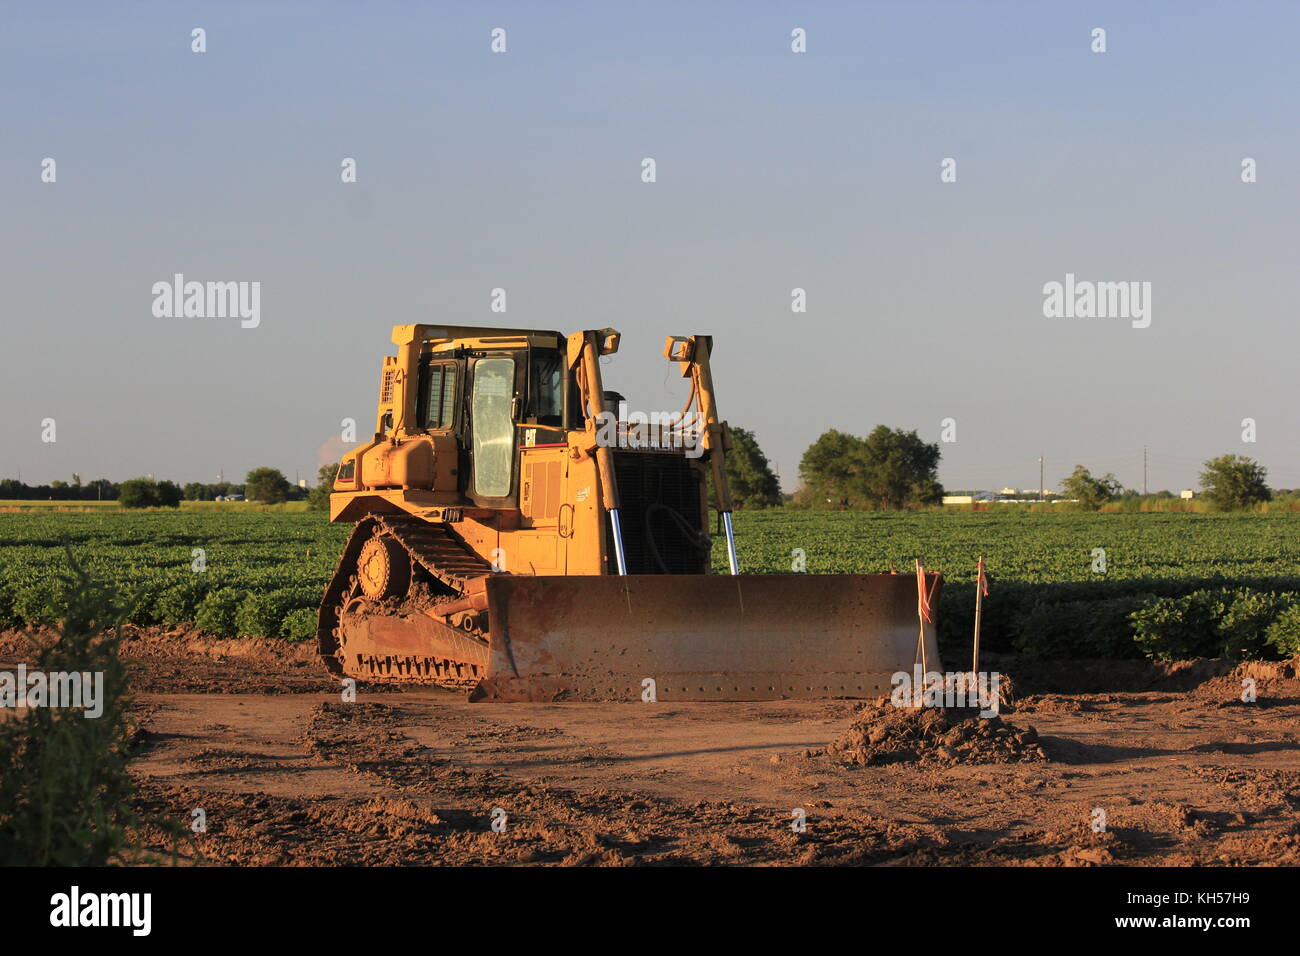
518	535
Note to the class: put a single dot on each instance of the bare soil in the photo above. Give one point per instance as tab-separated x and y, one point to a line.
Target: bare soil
254	735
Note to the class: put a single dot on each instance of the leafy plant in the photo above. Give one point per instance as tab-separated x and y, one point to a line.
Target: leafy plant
263	614
1232	623
299	624
65	793
180	602
216	613
1283	635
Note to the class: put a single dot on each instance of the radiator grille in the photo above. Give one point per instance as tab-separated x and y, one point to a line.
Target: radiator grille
654	489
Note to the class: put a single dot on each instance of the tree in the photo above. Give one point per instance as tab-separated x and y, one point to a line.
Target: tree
267	485
193	491
750	476
169	494
900	470
318	499
890	468
1235	481
147	493
829	465
102	489
138	493
1090	492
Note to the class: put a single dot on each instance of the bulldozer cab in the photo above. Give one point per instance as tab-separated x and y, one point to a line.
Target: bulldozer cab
495	402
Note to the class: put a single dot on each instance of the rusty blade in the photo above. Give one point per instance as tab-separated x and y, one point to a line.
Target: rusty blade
701	637
391	636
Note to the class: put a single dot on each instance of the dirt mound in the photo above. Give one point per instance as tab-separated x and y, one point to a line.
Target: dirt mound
882	733
1273	683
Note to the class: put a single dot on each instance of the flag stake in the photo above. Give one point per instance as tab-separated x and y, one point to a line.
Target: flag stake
922	611
980	586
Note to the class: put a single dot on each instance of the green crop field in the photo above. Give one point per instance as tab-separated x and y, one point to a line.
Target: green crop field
1199	583
261	574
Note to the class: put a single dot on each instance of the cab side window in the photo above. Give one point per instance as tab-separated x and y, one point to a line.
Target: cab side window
438	397
546	388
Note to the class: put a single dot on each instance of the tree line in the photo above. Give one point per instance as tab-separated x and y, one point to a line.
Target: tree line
1229	482
892	469
889	469
265	485
101	489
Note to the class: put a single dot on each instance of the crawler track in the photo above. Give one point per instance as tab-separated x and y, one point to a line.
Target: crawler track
396	640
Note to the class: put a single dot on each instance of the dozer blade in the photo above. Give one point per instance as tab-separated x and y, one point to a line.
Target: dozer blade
701	637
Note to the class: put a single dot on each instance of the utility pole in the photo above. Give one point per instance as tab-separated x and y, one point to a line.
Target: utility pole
1144	469
1042	485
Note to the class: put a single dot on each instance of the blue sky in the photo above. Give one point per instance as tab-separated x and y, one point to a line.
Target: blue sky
775	170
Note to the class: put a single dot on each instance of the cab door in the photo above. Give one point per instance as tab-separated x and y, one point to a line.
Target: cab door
492	451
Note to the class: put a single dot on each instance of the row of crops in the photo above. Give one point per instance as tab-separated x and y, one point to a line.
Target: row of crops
230	574
1063	585
1073	584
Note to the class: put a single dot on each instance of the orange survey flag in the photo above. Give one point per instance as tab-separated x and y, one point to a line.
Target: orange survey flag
923	607
981	581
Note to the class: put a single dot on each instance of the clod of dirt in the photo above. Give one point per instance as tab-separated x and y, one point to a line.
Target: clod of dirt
882	733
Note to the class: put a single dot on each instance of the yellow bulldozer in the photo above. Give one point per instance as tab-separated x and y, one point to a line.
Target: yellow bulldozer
519	536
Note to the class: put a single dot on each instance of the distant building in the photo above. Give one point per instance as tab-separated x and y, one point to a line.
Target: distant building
968	499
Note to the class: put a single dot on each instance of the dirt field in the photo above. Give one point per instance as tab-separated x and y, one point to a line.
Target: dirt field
286	773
